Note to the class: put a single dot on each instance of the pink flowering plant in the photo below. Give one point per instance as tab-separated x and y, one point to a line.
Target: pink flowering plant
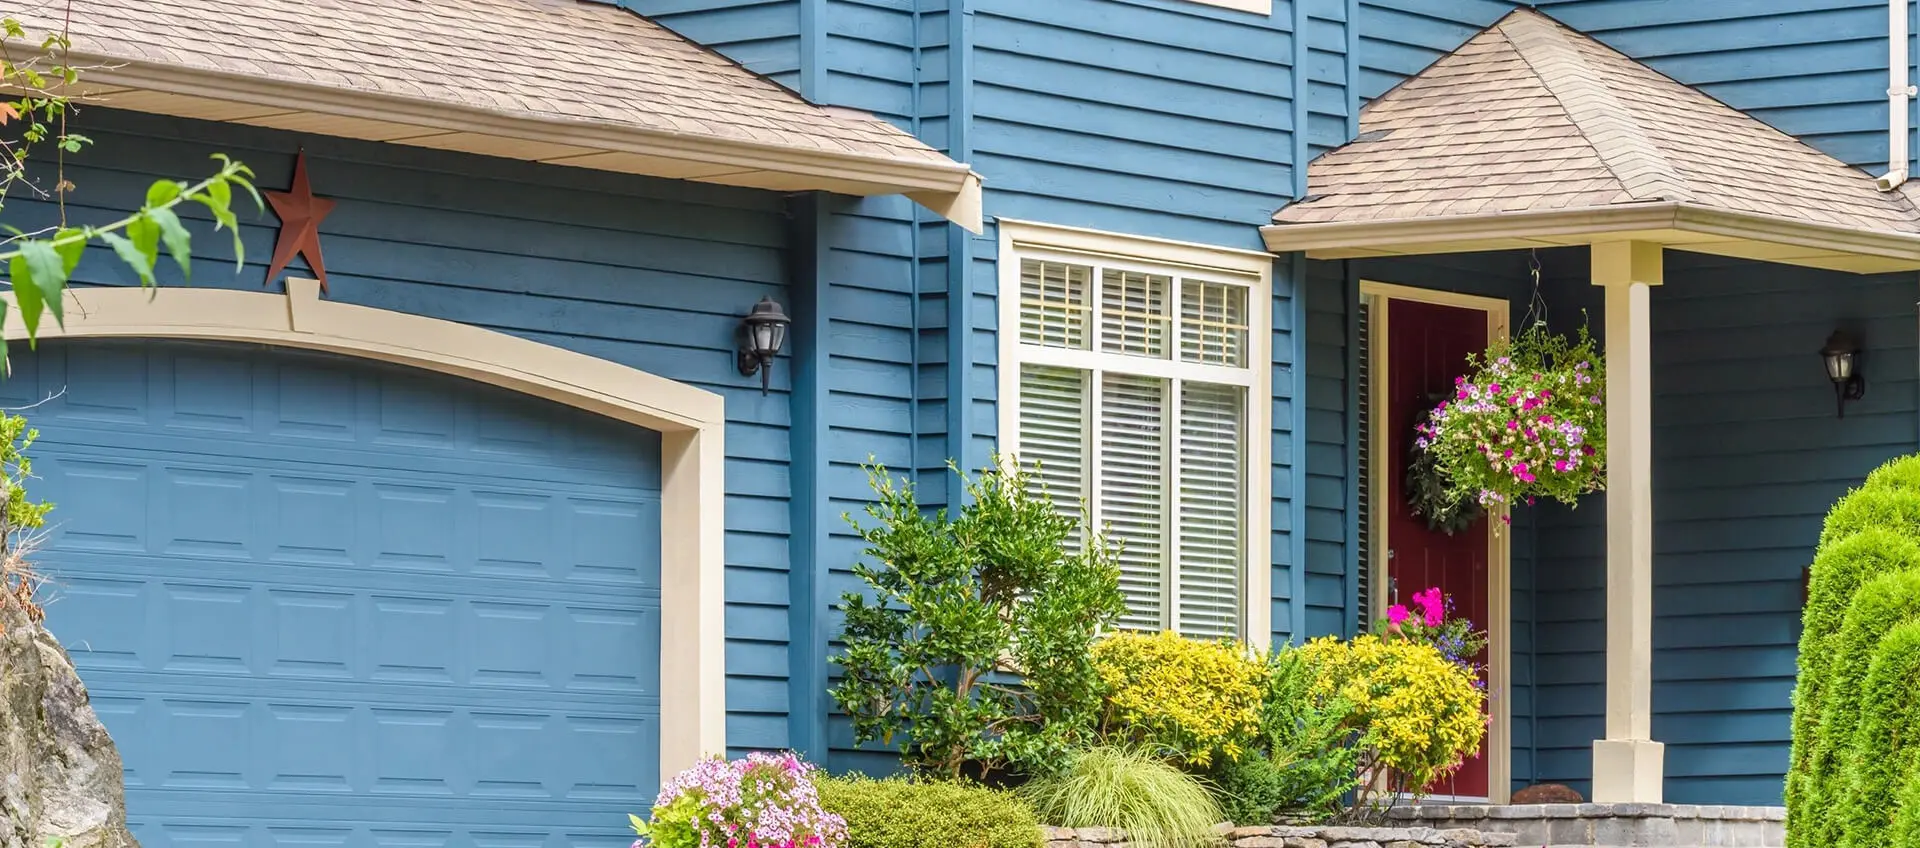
762	801
1529	420
1429	620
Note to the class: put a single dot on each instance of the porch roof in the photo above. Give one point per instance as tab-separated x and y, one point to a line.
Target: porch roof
1534	135
569	82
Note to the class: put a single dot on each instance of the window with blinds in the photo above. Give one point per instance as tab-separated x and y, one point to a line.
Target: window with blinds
1133	403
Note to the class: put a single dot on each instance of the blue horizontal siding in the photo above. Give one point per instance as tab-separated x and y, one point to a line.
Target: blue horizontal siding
649	273
762	35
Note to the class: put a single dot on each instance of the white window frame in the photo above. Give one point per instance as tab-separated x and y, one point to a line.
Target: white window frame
1258	7
1030	240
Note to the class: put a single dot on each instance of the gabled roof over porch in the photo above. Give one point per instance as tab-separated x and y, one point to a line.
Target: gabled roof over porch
1534	135
567	82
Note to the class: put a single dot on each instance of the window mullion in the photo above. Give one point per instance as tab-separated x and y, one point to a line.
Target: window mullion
1170	520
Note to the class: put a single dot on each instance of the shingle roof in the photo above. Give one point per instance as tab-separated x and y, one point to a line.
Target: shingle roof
582	61
1530	116
572	82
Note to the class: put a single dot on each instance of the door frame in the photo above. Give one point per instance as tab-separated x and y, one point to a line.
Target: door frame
1498	747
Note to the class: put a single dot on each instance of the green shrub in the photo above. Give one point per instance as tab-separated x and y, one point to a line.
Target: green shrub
1310	742
899	813
1838	572
1886	746
1900	473
1158	805
1906	823
1880	505
1186	698
1880	605
954	605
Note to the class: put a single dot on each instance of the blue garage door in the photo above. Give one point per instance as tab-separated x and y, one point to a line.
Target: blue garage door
323	602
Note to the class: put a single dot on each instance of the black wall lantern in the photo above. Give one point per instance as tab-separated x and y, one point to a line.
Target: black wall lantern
1842	355
762	333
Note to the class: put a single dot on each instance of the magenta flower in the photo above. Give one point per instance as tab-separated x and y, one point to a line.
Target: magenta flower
1398	614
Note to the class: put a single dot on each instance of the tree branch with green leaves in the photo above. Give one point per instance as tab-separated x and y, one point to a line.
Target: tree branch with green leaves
40	264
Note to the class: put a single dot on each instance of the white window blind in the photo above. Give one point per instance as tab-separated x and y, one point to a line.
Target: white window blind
1133	403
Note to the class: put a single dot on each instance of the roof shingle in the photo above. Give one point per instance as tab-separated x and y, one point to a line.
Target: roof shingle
1531	116
558	59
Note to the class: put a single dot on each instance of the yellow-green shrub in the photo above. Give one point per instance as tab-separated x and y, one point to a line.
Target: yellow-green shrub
1838	573
1886	746
1420	714
898	813
1880	605
1188	698
1901	473
1883	504
1906	823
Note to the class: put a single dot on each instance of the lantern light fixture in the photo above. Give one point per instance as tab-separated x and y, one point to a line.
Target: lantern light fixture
1843	358
762	333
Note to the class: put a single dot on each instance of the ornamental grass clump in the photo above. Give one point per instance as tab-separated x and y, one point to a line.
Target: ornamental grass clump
1421	714
1528	421
1879	606
897	813
1886	746
762	801
1188	699
1156	804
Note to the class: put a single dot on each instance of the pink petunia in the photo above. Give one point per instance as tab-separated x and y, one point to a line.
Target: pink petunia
1397	614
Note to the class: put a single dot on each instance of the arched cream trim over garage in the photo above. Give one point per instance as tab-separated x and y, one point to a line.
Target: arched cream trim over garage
690	422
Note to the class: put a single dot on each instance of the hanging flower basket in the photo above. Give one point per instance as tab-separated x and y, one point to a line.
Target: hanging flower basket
1528	421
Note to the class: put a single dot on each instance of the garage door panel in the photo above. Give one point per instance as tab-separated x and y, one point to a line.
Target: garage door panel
321	602
135	502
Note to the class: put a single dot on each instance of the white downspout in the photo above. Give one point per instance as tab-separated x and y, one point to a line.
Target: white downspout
1900	93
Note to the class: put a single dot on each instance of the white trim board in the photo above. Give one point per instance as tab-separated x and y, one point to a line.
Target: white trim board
691	423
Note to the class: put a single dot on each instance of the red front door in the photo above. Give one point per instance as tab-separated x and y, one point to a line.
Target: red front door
1427	348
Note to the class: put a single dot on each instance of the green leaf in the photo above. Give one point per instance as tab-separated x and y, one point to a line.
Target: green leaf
27	295
217	199
49	276
178	240
136	259
639	826
146	238
163	192
70	252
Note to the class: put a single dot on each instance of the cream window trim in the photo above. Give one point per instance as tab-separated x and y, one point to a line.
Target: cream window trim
691	423
1258	7
1032	240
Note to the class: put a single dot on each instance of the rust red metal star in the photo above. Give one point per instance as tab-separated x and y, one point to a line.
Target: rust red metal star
300	214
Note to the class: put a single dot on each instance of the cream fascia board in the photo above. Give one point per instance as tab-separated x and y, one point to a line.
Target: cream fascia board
949	188
1586	226
1256	269
691	422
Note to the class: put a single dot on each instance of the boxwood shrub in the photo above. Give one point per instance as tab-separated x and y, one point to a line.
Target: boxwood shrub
899	813
1885	750
1879	504
1882	604
1838	573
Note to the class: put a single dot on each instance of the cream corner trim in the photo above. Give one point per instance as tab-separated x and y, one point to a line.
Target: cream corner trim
691	422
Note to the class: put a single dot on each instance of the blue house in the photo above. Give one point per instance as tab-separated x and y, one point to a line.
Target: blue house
467	531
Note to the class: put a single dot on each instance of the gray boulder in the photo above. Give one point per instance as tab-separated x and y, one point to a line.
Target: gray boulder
60	778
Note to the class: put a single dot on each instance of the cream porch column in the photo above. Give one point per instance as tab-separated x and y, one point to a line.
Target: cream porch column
1628	764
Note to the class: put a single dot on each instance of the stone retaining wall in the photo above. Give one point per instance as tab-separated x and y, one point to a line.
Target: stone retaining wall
1302	837
1613	825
